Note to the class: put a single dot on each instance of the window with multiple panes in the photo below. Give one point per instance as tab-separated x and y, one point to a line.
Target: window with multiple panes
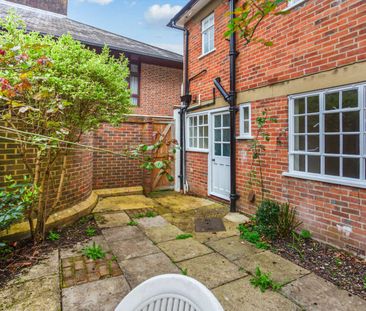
134	83
327	133
208	34
245	123
198	132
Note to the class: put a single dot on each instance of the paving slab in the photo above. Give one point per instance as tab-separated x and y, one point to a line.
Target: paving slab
234	248
240	295
179	250
139	269
112	220
76	250
212	270
95	296
314	293
163	234
115	204
46	267
151	222
42	294
282	270
133	248
237	218
122	233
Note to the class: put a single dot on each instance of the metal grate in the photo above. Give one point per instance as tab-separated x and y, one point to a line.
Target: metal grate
209	225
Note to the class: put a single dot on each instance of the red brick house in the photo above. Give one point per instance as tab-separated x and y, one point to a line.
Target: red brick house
313	80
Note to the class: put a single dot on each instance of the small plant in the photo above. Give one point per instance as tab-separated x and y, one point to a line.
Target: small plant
364	282
53	236
287	222
297	245
267	218
338	262
94	252
85	219
90	231
252	236
150	214
183	236
184	271
132	223
305	234
264	281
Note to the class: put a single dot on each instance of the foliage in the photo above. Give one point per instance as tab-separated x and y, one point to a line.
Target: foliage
132	223
296	245
253	236
94	252
85	219
287	222
90	231
267	218
249	15
149	214
184	271
258	149
53	236
264	281
15	201
364	282
55	89
305	234
183	236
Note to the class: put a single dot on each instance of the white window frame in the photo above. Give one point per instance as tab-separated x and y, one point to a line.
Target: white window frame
292	3
242	134
340	180
197	115
205	30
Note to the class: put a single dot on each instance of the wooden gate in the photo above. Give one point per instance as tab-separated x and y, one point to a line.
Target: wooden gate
158	181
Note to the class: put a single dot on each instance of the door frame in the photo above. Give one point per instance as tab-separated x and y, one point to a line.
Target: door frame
210	151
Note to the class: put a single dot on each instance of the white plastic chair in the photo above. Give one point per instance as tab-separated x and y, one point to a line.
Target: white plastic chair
170	292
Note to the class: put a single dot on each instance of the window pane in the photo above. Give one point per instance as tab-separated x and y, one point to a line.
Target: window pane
200	120
351	167
246	113
226	120
332	101
226	150
190	131
246	127
332	144
313	143
332	122
217	135
205	131
313	104
217	121
313	124
332	166
299	106
299	143
205	119
299	125
134	101
200	145
351	121
194	120
134	68
200	131
195	142
313	164
205	143
134	85
351	144
226	135
299	162
191	142
218	149
350	99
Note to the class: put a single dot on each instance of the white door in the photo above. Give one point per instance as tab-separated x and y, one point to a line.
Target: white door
220	155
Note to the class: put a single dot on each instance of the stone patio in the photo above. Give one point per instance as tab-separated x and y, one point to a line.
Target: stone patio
221	261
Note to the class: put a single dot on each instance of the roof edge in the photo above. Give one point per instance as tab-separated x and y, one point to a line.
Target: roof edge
188	11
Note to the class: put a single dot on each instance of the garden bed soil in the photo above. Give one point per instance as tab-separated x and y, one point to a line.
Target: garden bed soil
339	267
24	254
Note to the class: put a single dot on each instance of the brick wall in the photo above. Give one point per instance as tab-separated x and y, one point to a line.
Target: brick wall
160	89
56	6
317	36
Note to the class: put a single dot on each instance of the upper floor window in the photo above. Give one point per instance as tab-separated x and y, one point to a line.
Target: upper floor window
198	132
245	121
135	83
208	34
292	3
327	134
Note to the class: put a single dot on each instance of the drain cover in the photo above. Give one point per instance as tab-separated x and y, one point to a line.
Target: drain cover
209	225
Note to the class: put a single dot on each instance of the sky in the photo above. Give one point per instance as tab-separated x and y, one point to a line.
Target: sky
143	20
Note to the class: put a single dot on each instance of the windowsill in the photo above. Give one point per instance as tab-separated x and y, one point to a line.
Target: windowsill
197	150
244	137
290	7
208	53
332	180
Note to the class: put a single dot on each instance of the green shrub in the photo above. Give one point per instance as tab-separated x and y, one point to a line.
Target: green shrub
264	281
252	236
53	236
94	252
90	231
287	222
305	234
267	218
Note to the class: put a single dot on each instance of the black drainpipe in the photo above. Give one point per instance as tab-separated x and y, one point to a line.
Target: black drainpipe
186	100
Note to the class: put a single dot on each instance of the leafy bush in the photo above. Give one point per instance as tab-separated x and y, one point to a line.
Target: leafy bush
94	252
287	221
15	201
267	218
305	234
264	281
252	236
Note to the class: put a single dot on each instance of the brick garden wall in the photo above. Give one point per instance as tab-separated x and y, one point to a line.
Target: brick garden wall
318	35
160	90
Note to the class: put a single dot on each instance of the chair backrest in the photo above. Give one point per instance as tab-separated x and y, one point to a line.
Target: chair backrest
170	292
